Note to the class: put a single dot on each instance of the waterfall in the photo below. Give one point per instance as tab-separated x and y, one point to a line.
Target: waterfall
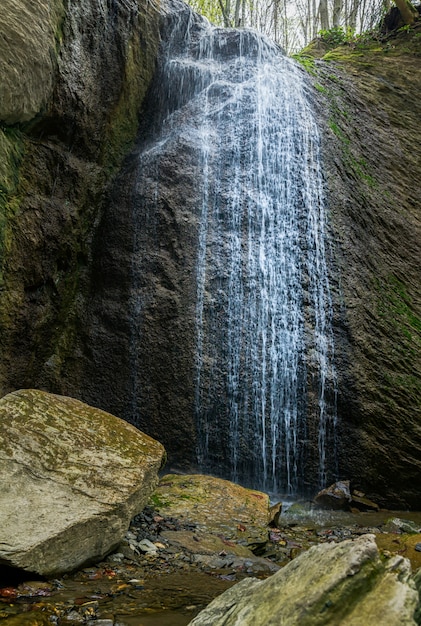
264	373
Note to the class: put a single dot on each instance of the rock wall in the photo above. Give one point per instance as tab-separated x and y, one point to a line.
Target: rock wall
369	107
139	319
65	277
75	75
28	52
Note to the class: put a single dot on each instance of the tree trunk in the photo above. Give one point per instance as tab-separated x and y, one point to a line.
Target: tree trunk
237	19
324	15
337	12
352	20
225	8
407	10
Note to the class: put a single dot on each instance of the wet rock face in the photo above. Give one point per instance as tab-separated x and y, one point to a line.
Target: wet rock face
54	170
67	303
137	335
370	111
75	478
180	302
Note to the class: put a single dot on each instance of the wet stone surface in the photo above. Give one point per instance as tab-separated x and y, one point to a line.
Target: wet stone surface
166	571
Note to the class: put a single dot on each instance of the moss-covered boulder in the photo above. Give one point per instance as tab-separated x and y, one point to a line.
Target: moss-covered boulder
215	505
335	584
72	478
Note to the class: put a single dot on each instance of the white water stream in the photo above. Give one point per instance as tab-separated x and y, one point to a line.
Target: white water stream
265	380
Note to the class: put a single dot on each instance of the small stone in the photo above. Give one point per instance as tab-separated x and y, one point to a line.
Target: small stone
418	547
274	514
130	535
116	558
147	546
74	616
397	525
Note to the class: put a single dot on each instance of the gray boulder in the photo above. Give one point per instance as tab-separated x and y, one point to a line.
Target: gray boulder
72	478
330	584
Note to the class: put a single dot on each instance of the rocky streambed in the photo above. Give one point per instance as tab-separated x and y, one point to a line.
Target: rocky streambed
197	537
90	535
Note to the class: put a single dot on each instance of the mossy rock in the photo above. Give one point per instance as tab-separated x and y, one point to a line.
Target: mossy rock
215	505
73	477
29	45
330	584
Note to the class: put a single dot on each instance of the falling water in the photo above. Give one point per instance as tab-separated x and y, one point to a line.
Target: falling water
264	364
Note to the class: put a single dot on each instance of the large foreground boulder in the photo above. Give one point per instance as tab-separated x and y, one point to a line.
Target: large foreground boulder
345	583
72	478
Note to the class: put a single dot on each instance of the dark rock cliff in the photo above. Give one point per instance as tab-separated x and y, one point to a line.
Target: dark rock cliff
66	290
74	75
368	100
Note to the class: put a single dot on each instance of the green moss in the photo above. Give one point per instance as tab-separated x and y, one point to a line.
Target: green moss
158	502
58	14
396	307
334	607
342	54
320	88
396	310
360	167
410	384
11	154
124	118
306	61
337	131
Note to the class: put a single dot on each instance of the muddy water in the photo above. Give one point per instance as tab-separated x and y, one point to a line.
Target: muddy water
116	594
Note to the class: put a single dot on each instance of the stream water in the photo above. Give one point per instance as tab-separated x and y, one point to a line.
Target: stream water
265	377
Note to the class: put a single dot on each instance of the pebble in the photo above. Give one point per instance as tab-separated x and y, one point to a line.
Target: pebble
418	547
147	546
74	616
118	557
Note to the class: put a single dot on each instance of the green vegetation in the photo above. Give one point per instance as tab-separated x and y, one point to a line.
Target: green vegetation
337	131
396	304
360	168
158	502
337	36
124	118
11	154
306	61
320	88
